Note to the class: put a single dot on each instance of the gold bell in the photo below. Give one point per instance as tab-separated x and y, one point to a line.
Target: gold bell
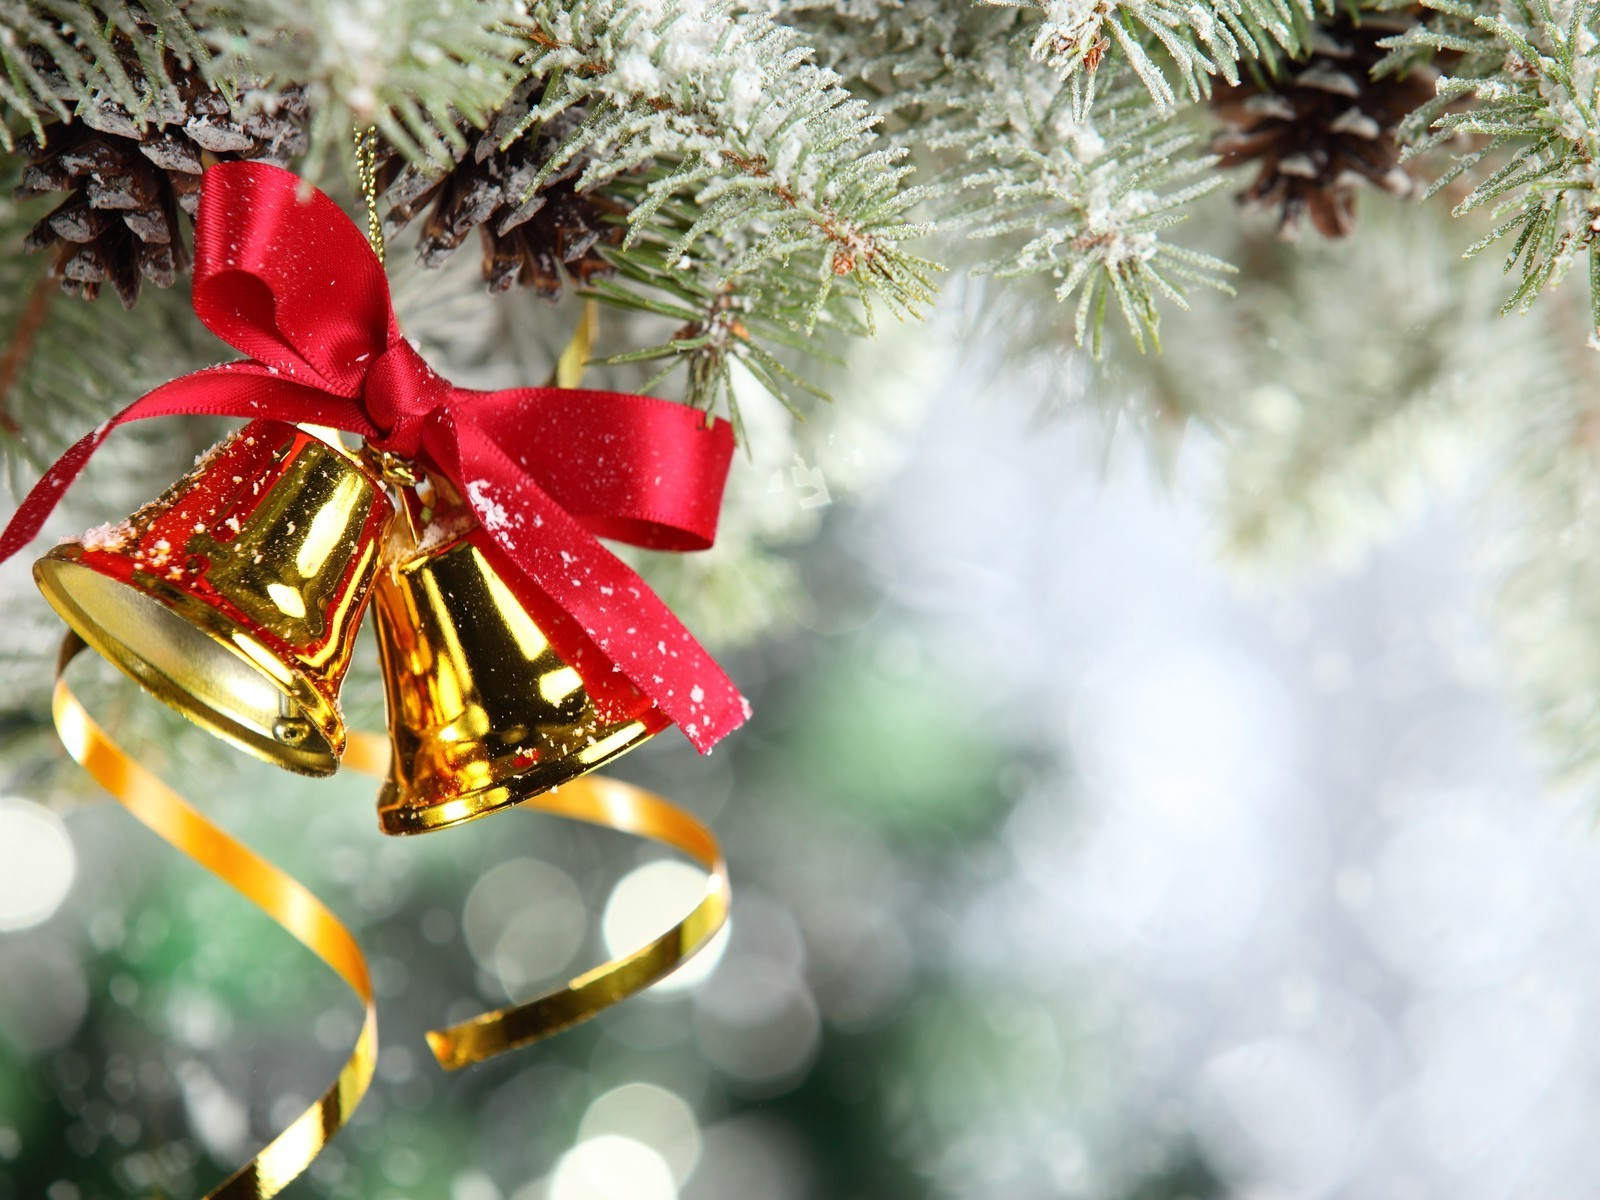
483	711
236	597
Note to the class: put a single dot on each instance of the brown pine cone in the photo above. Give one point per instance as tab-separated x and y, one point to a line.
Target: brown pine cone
127	181
1324	127
531	239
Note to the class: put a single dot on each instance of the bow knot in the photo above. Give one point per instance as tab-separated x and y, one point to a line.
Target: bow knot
400	393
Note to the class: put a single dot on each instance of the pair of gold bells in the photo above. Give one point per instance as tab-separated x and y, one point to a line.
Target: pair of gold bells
237	596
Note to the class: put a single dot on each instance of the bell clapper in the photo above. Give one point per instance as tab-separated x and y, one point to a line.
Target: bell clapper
290	729
396	471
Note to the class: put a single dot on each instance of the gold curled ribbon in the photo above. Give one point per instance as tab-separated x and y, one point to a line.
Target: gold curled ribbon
608	803
285	900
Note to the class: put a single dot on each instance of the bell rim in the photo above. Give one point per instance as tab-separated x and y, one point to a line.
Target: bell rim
401	818
312	704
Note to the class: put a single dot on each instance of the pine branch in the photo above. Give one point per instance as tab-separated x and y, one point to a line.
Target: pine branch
1543	518
58	54
1525	91
1360	384
1083	197
715	326
1199	40
416	69
763	201
1047	178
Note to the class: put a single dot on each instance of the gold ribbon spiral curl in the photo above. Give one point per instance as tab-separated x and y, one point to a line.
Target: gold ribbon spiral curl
607	803
285	900
610	804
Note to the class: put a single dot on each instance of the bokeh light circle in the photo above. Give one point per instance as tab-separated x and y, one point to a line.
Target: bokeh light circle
646	903
1181	729
758	1023
660	1119
37	863
524	920
612	1167
44	993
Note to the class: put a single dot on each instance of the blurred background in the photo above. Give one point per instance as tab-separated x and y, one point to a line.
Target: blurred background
1079	849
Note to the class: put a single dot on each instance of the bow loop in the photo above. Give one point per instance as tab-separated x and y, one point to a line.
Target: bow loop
400	393
283	275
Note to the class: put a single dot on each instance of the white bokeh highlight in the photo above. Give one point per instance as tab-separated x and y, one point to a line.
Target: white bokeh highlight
646	903
524	921
655	1116
37	863
612	1167
1301	877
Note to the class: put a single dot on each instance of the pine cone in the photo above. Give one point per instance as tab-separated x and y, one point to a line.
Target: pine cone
531	239
127	181
1325	127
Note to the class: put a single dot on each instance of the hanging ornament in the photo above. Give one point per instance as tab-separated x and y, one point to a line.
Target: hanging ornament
236	597
517	652
545	471
484	710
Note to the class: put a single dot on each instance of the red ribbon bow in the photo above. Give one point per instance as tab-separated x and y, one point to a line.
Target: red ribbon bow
292	283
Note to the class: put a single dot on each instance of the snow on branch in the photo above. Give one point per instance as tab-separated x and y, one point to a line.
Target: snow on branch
1523	93
760	183
417	69
414	68
1084	195
1200	38
54	56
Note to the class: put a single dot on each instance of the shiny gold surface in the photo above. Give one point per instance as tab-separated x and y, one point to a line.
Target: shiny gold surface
483	712
236	597
282	898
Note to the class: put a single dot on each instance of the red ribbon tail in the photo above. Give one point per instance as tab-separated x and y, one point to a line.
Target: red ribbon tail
554	555
247	390
43	497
